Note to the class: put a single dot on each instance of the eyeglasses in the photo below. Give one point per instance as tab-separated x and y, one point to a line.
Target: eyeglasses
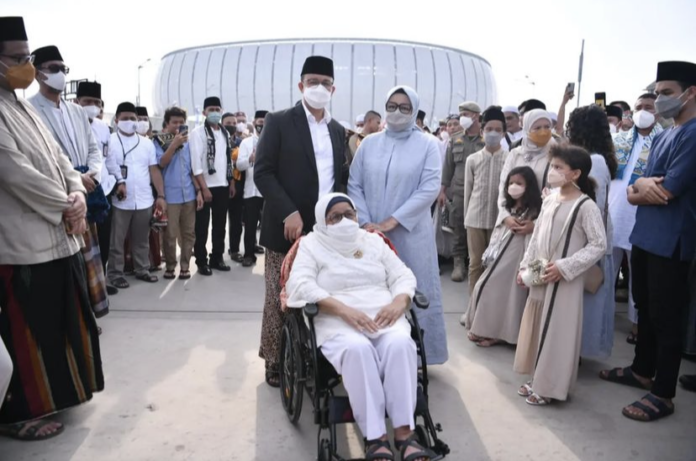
312	82
335	218
403	108
19	59
55	68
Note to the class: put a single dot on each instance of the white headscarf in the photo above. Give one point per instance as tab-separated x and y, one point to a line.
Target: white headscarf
530	118
342	246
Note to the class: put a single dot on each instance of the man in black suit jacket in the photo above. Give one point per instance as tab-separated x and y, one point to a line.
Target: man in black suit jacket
300	156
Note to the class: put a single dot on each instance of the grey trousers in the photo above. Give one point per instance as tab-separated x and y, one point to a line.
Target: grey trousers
138	222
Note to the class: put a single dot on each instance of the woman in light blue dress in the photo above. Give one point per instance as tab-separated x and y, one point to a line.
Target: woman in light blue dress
588	127
394	180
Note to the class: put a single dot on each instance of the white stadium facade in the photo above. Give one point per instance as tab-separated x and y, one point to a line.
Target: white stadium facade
256	75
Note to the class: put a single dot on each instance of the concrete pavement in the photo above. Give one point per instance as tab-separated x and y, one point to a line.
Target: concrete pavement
184	382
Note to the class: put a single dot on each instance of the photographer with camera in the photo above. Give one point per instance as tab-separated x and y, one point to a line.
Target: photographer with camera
184	197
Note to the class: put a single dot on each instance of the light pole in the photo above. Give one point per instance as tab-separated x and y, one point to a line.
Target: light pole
137	102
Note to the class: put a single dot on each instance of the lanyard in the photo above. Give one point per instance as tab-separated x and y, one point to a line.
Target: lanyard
123	149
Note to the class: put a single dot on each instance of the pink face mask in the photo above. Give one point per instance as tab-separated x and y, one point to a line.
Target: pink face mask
516	191
556	179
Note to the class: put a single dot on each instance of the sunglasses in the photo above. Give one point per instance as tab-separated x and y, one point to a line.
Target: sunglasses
55	68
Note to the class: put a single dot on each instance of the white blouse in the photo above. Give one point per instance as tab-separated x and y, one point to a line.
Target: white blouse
367	283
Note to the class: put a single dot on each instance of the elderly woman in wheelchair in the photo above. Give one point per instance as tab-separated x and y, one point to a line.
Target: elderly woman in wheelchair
363	291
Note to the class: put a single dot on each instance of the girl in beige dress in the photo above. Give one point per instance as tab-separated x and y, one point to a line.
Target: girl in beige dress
496	304
568	239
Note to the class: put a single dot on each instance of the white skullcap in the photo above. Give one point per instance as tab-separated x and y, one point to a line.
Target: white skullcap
512	109
360	118
345	125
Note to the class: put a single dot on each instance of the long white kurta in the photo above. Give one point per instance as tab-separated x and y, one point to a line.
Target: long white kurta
379	370
400	178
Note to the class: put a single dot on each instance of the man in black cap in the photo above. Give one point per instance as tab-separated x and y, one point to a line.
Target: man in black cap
211	158
481	181
300	157
46	320
70	127
134	160
664	244
253	200
144	126
420	119
89	97
614	116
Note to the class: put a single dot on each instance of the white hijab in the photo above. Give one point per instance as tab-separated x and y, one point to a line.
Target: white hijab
530	118
342	246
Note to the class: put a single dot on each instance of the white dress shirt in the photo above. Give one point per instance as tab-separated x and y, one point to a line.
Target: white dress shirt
623	214
198	143
139	157
323	150
103	136
246	149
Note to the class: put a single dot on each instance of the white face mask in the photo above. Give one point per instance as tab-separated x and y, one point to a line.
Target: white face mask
317	97
396	121
241	127
444	135
55	81
466	122
612	128
143	127
359	130
345	230
127	126
92	111
643	119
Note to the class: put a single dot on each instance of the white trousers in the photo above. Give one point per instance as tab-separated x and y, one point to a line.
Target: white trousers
618	259
378	374
5	371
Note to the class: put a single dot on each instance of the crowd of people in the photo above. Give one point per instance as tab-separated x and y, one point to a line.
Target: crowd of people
543	214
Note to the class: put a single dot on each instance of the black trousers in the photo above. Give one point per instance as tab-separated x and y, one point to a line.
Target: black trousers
218	208
252	213
104	236
661	294
236	213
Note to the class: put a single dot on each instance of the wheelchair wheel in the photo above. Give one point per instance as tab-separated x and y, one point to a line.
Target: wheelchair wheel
325	450
423	437
291	370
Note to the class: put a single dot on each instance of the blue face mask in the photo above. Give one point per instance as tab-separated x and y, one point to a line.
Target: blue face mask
214	118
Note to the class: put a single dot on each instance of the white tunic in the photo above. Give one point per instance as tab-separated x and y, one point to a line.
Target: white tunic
623	214
246	149
323	150
368	283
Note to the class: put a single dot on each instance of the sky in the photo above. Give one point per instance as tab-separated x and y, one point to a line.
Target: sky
533	45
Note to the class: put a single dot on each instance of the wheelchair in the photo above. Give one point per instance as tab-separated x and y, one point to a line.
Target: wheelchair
303	368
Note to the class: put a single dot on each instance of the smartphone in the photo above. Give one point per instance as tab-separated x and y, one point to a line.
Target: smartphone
183	128
601	100
570	88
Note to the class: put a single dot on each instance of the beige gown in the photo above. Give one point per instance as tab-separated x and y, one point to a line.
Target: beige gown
551	332
497	302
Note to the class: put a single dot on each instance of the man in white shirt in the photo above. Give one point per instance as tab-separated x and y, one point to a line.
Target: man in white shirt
632	152
89	97
514	125
134	160
71	129
212	166
253	200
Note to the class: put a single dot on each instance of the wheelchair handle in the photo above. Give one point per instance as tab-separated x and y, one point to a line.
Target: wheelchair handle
420	300
311	310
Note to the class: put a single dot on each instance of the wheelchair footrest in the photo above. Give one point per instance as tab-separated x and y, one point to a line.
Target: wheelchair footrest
340	411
